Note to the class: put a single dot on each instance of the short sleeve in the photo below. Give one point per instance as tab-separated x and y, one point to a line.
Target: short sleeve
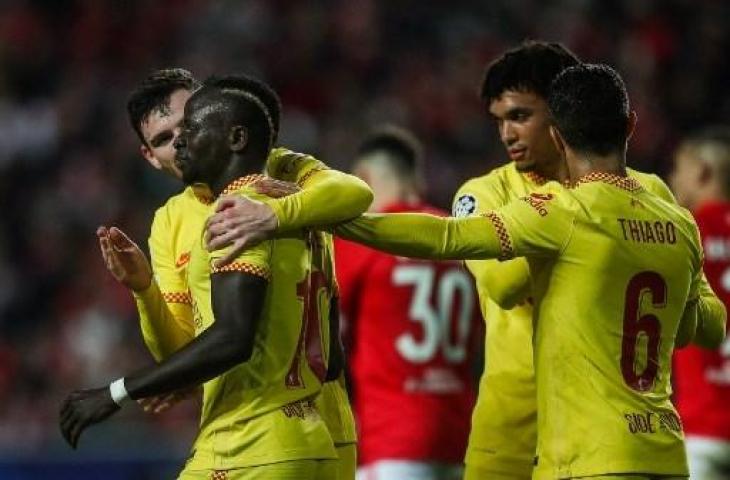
539	224
172	283
284	164
255	260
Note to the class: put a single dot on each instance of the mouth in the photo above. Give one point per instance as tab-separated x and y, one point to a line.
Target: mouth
517	153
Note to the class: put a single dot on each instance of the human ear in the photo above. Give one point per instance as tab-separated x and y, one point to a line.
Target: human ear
238	138
150	157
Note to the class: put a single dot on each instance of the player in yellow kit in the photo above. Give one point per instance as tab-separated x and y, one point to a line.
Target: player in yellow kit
155	109
503	436
616	276
267	398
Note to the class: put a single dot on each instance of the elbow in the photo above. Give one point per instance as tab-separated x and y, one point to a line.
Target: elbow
711	326
233	348
361	196
504	299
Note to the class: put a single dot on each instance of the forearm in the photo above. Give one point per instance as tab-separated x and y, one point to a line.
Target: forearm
209	355
327	197
711	318
163	330
421	235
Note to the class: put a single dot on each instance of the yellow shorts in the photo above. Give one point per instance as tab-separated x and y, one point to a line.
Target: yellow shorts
475	472
293	470
347	461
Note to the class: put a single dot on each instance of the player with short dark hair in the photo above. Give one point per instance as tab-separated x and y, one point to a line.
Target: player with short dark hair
410	331
617	273
515	87
164	302
701	181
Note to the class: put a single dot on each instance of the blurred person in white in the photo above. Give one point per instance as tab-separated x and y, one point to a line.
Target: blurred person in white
701	182
155	110
412	331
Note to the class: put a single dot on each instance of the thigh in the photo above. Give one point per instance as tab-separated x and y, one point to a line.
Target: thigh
346	461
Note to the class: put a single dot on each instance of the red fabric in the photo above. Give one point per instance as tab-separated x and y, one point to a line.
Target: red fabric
409	409
703	376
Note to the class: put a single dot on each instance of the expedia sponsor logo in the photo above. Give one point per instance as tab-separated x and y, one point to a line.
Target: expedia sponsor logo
538	201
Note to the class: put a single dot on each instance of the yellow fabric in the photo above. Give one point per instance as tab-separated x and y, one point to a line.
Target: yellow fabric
346	461
164	308
503	434
472	471
334	406
327	197
711	312
247	416
574	239
292	470
503	437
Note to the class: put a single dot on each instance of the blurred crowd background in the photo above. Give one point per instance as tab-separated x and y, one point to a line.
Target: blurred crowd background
70	162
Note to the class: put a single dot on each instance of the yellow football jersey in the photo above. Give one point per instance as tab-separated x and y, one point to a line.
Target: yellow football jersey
613	268
503	437
262	411
165	309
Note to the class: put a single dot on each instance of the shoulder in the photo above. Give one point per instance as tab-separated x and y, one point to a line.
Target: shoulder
174	206
483	193
282	163
652	183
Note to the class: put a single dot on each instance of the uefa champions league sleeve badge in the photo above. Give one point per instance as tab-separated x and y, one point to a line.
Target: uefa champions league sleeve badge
464	206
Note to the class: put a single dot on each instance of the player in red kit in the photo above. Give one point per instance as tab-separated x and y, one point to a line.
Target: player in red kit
410	329
701	181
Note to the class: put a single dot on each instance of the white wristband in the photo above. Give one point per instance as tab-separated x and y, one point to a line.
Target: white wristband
119	392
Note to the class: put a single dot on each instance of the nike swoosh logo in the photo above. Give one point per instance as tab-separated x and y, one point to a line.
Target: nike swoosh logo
184	258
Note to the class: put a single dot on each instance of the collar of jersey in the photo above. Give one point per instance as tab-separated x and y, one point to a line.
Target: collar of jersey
536	178
625	183
203	193
241	182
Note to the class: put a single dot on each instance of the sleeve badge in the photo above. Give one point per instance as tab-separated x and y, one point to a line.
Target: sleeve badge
464	206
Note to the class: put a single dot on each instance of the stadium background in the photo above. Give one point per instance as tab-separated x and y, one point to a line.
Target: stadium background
69	161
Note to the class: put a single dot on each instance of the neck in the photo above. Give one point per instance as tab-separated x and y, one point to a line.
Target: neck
582	164
238	166
553	171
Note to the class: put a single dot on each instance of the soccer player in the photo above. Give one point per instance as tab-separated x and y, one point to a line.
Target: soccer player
616	274
701	181
255	390
410	331
155	109
515	88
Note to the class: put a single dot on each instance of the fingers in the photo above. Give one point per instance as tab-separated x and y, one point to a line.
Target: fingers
120	240
236	249
222	239
225	202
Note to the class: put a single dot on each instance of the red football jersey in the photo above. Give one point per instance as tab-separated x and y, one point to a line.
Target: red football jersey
702	377
412	327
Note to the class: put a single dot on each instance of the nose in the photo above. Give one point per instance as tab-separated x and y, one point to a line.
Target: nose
507	133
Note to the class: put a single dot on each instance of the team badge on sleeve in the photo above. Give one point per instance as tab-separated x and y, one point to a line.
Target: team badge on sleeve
465	205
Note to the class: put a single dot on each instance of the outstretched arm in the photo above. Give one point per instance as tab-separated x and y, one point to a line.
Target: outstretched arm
422	235
237	304
325	197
